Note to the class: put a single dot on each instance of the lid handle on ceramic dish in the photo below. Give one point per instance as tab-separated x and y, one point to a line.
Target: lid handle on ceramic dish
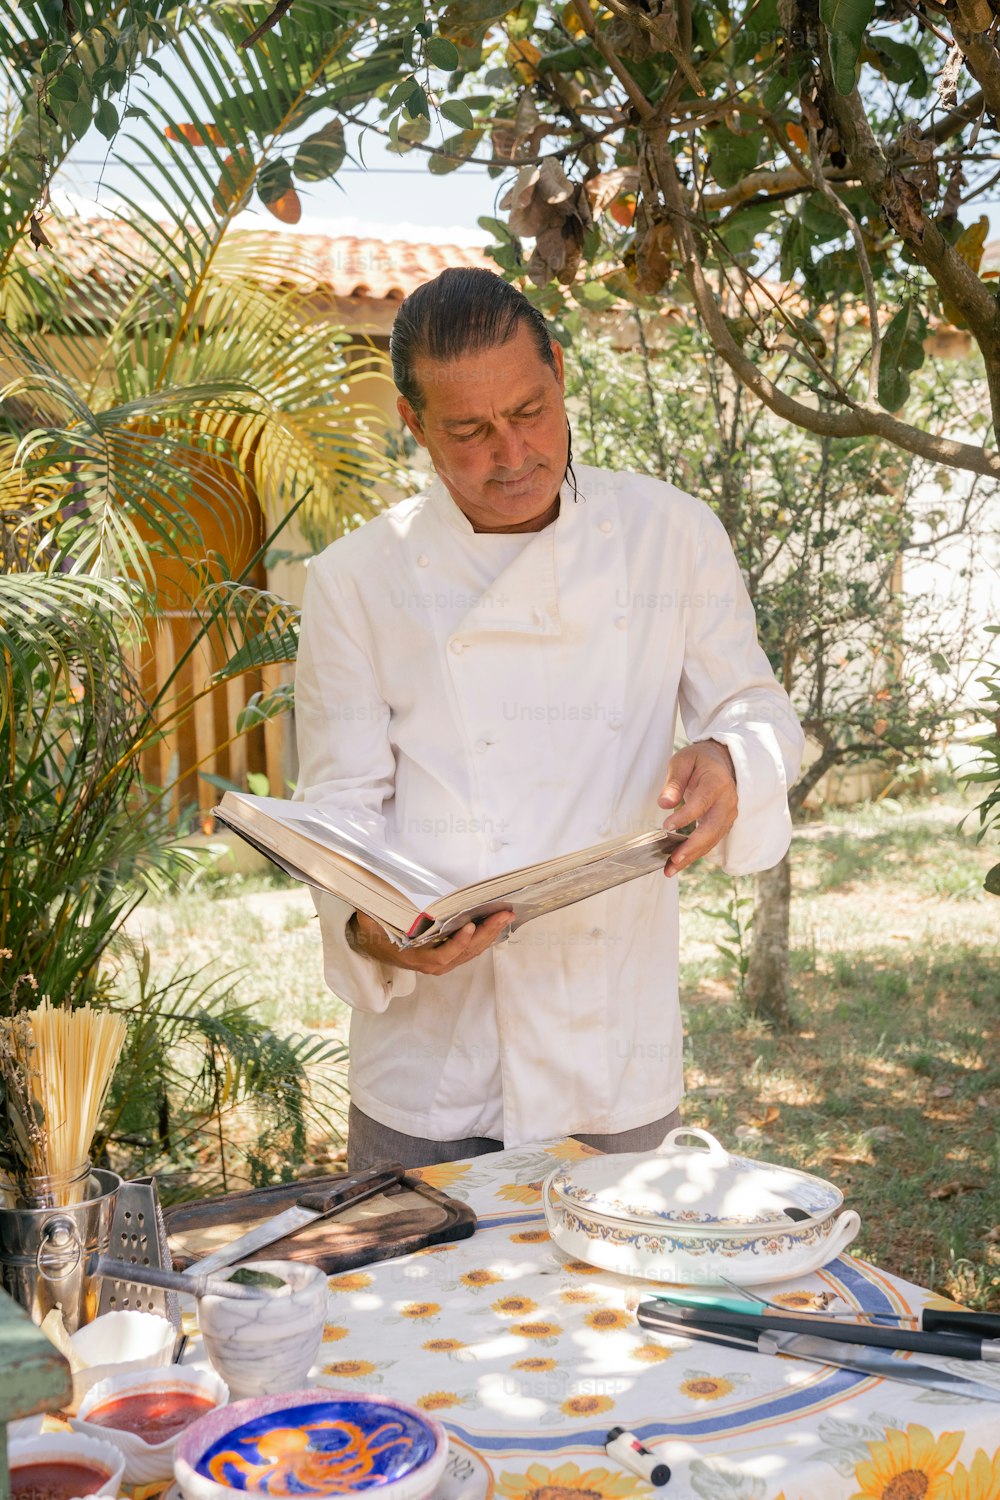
716	1150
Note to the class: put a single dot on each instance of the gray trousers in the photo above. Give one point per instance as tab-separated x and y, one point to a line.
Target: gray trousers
369	1142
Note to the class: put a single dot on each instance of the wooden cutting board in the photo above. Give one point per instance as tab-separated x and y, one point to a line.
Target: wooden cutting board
408	1216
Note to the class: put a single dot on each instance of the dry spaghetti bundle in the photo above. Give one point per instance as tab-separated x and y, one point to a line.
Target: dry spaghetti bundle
57	1067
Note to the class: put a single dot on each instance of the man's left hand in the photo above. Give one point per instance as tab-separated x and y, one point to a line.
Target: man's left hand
701	788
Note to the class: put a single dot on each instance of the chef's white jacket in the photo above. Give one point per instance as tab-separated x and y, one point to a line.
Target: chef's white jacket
482	725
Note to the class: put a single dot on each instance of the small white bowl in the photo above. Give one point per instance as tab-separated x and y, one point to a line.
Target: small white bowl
118	1342
145	1462
70	1447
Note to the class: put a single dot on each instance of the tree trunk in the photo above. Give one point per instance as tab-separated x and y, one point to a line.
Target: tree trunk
767	991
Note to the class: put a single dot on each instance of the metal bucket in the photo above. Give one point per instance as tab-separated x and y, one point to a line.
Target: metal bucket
45	1253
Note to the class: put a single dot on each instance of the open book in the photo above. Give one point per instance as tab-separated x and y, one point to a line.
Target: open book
415	907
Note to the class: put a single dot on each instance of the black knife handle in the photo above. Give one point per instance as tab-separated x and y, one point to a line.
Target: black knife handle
954	1345
649	1315
349	1189
948	1320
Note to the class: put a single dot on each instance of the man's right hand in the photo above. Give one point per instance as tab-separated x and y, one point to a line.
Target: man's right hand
373	941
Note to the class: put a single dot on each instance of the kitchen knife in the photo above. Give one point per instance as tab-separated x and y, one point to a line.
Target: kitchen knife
951	1345
308	1208
930	1319
866	1361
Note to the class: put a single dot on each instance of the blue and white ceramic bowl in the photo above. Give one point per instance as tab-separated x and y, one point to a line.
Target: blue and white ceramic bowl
312	1444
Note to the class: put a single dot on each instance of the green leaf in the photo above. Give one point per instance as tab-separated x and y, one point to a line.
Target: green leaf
66	88
822	221
106	119
80	118
405	134
594	294
992	881
247	1276
454	150
508	258
496	227
902	352
745	226
321	154
845	21
760	33
416	103
900	62
733	156
795	247
442	54
274	180
459	113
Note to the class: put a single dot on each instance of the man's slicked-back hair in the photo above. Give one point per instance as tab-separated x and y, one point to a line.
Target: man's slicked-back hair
459	312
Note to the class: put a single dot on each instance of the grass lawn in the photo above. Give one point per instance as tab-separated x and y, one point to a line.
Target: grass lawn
890	1083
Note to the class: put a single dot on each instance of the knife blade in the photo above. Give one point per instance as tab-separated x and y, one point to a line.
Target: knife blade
863	1359
871	1361
308	1208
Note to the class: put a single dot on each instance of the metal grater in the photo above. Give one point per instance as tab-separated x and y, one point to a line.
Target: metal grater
138	1235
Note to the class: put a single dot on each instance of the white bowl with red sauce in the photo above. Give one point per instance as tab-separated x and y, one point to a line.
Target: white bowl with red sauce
63	1466
120	1341
143	1414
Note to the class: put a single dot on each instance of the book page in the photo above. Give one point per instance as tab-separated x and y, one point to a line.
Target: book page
342	834
534	897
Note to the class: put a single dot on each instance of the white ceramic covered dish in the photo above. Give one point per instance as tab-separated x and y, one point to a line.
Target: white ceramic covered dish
684	1213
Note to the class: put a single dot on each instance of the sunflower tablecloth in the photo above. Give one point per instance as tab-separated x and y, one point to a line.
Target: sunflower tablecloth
528	1359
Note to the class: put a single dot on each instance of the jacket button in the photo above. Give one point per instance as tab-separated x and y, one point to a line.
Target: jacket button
621	623
607	526
422	561
456	647
615	723
481	747
495	845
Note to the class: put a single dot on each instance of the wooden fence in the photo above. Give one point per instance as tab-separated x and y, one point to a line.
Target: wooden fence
198	727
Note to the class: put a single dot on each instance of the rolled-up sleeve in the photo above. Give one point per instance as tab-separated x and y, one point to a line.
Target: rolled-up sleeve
728	693
345	764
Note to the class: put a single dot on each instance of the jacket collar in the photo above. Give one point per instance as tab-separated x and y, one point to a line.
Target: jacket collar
524	597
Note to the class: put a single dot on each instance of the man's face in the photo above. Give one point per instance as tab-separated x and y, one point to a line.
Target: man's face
494	424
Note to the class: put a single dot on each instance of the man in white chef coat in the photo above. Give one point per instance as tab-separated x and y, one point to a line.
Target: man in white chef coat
490	673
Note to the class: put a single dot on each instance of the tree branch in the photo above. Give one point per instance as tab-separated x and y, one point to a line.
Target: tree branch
899	199
842	209
637	98
980	54
658	32
856	421
955	120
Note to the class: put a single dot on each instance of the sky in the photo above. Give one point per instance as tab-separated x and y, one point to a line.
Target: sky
388	196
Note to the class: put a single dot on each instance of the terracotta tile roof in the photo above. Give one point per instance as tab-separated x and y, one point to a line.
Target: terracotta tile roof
352	267
348	266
